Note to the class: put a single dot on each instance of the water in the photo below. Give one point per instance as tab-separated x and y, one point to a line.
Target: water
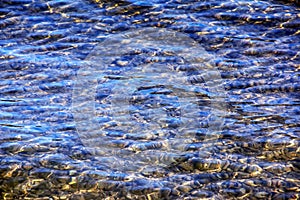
149	100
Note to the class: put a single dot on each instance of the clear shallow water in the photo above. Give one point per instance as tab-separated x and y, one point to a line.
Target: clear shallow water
254	46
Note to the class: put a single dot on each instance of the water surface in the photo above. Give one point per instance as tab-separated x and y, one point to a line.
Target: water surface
158	138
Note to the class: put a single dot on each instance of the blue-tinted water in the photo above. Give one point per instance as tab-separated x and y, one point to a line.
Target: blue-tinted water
149	99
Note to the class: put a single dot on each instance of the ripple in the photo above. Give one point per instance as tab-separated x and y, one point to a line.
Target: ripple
154	107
